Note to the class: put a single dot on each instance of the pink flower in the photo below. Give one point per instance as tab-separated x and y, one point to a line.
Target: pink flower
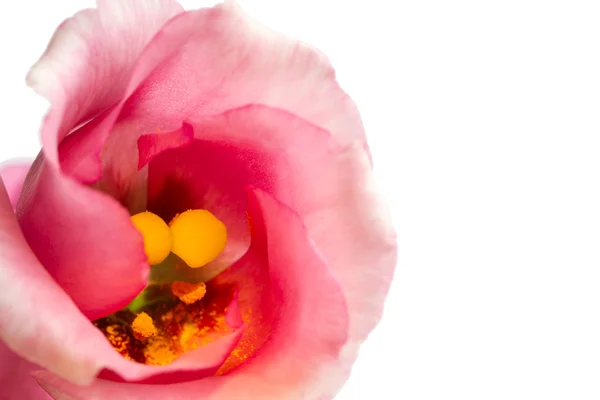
158	109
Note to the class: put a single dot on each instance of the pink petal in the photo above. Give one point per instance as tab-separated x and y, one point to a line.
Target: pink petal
88	62
254	145
218	59
303	314
295	307
38	320
211	60
355	233
82	237
14	174
16	382
330	185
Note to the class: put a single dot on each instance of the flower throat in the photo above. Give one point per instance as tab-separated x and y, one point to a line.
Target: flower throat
169	319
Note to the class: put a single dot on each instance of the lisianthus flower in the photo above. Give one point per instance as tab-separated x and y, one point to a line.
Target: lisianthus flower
201	222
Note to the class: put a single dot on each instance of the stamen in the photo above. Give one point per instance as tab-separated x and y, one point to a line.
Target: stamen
157	236
189	293
143	327
198	237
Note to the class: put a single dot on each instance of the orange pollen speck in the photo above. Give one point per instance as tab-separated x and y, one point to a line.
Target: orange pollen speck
188	293
143	327
119	339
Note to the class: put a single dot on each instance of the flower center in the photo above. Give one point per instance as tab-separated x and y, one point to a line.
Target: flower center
169	319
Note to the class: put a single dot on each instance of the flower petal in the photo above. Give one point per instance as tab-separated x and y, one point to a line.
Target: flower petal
254	145
355	233
16	382
38	320
13	174
219	59
83	237
87	64
296	313
209	61
304	318
330	185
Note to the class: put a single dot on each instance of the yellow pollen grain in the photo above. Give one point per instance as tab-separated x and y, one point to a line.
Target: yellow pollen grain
188	293
143	327
198	237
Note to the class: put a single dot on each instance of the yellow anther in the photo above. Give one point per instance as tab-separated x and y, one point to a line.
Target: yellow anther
143	326
189	293
157	236
198	237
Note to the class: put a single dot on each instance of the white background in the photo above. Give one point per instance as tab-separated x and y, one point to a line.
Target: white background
483	118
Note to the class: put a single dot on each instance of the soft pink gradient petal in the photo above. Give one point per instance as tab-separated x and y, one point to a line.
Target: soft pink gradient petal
355	234
13	173
16	382
304	318
38	320
89	60
217	59
330	185
208	61
84	238
297	313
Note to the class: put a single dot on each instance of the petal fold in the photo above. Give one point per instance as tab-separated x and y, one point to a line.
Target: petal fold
16	382
13	174
38	320
206	62
89	60
82	237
